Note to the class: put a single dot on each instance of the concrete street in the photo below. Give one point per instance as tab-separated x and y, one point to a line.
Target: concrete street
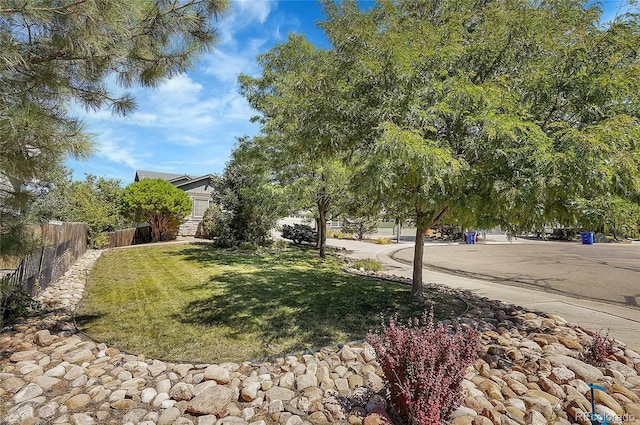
595	286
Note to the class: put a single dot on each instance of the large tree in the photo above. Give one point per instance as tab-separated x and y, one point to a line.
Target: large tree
156	201
487	113
500	112
57	54
298	101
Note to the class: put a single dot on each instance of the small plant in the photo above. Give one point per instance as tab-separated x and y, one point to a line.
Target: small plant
17	305
600	348
368	264
248	246
424	365
279	245
383	241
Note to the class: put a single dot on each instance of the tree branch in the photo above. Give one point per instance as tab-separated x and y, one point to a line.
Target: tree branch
25	6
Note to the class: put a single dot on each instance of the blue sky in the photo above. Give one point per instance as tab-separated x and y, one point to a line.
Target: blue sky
189	125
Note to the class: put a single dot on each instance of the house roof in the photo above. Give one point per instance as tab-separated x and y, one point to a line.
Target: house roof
141	174
190	179
176	179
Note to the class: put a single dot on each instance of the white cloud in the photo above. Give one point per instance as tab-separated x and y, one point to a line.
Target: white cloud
253	10
116	151
144	119
243	13
226	66
180	89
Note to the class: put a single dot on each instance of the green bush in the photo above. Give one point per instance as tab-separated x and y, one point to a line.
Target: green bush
279	245
101	241
368	265
17	305
248	246
383	241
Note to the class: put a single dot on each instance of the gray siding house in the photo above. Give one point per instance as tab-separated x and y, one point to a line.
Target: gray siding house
199	190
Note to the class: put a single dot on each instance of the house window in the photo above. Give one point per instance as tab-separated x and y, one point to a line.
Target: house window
199	207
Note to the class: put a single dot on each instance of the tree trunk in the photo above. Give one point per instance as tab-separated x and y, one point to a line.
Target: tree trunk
418	254
424	220
322	229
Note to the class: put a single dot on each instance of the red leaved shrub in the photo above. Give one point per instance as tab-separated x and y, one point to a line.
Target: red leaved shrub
424	365
600	348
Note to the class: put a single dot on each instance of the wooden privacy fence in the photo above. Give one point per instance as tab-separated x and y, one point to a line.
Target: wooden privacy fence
63	244
124	237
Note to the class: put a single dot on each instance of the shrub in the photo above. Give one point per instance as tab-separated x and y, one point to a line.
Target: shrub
424	365
367	265
279	245
383	241
600	348
299	233
248	246
16	305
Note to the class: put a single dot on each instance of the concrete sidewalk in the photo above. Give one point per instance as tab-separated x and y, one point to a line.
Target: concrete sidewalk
624	323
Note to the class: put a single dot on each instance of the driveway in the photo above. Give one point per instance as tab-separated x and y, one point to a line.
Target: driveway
601	272
595	286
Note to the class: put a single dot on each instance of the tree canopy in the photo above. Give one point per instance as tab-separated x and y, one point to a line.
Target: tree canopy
157	202
249	199
496	113
94	201
59	55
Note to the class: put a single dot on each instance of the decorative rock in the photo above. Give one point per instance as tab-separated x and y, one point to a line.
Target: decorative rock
481	420
533	417
48	410
552	388
79	356
125	404
561	375
27	393
19	414
318	418
347	354
230	420
605	399
287	380
43	338
181	391
148	394
212	401
306	381
169	416
250	390
78	401
134	415
218	374
582	370
22	356
462	420
377	418
463	411
279	393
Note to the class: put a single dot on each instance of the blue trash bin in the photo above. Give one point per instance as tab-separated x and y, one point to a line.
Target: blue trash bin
587	238
470	237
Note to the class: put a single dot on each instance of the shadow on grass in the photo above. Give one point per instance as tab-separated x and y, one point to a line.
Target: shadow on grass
293	301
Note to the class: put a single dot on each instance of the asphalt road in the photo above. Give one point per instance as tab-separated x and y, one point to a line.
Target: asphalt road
607	273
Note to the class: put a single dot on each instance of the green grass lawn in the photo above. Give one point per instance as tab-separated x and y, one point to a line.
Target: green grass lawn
200	304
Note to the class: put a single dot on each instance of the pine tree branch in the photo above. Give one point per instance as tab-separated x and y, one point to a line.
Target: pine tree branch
25	7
